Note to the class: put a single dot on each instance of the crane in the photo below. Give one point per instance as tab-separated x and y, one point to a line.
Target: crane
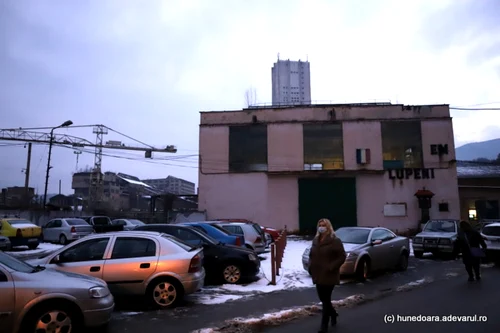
96	182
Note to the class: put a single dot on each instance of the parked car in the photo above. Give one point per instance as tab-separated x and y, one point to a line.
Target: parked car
271	234
101	224
437	237
128	224
253	238
260	230
216	231
35	299
222	262
65	230
491	235
155	265
20	232
5	243
369	250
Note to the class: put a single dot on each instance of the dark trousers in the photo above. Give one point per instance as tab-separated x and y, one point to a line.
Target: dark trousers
473	266
325	296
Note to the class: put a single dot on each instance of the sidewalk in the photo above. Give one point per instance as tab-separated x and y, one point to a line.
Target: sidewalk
187	319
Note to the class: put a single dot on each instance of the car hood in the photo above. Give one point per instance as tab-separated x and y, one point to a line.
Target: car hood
436	234
61	279
349	247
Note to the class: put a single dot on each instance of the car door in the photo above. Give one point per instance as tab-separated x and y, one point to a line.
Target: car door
7	301
394	250
47	231
380	253
86	257
56	230
133	260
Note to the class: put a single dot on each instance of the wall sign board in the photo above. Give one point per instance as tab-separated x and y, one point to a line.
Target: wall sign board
395	210
415	173
439	149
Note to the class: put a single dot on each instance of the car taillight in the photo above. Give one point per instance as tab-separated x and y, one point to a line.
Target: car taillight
195	264
19	233
238	241
258	240
73	229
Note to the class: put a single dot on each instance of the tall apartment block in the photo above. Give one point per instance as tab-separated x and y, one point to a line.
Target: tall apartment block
291	82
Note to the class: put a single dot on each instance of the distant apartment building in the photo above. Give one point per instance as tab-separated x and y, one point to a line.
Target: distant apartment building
291	81
120	191
172	185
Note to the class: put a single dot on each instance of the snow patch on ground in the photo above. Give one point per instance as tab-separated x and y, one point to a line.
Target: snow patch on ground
292	276
452	274
411	248
412	285
23	252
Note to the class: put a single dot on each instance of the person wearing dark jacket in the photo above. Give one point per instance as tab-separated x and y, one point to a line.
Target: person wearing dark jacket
470	241
326	257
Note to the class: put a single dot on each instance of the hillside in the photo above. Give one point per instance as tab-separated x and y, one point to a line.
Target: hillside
485	149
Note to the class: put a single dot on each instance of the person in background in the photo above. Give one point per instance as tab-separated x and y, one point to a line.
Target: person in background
470	243
326	257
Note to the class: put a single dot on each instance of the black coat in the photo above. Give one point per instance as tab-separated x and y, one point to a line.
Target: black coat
474	239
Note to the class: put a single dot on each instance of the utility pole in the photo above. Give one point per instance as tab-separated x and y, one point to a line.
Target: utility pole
27	173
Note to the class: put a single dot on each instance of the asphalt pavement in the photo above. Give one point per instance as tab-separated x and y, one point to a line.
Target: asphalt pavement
453	297
196	316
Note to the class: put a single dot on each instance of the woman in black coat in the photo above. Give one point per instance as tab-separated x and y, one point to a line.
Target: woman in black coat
470	242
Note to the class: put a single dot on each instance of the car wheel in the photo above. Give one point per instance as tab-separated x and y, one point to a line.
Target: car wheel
231	274
363	270
418	254
164	293
33	246
403	262
63	240
52	317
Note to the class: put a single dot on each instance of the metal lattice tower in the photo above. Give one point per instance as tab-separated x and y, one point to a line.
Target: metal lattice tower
96	177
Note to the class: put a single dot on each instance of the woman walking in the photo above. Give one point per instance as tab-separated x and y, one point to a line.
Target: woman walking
470	243
325	259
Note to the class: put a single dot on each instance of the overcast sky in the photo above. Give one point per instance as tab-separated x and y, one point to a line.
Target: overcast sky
146	68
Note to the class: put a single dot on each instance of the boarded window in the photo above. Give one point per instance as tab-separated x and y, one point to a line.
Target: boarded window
323	146
402	144
248	148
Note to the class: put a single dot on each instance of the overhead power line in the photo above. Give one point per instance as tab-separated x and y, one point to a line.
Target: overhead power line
474	109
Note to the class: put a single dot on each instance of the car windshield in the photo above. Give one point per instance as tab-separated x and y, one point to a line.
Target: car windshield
179	242
15	264
136	222
76	222
221	229
440	226
13	222
353	235
491	231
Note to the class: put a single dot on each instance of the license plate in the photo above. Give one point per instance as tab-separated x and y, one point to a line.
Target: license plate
32	240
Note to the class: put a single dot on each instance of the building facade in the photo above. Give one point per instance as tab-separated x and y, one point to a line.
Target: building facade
172	185
291	82
357	164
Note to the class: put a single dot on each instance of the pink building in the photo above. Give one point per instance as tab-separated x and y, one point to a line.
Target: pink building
357	164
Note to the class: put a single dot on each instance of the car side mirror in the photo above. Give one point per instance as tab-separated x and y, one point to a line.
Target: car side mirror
56	260
376	242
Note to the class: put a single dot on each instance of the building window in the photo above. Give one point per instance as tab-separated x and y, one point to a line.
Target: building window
402	144
248	148
323	146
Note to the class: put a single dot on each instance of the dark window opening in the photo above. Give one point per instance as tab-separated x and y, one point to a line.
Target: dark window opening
443	207
248	148
487	209
323	146
402	144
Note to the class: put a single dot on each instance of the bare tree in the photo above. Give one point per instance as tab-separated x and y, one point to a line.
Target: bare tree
250	97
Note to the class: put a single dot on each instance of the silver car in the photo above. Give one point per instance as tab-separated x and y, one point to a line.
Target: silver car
128	224
5	244
368	250
437	237
65	230
35	299
253	238
152	264
491	236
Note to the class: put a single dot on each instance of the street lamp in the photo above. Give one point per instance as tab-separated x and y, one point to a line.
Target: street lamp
51	140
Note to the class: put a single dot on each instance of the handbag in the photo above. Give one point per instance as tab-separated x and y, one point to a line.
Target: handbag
476	252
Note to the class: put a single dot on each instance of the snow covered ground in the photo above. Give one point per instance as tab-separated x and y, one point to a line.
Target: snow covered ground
292	275
22	252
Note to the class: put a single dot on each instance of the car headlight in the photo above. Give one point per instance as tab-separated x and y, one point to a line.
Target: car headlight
98	292
252	257
350	254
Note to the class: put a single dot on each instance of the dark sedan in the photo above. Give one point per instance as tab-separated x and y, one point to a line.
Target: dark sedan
221	261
